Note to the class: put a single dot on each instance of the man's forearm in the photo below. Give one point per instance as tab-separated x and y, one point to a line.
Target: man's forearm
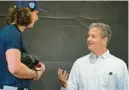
24	72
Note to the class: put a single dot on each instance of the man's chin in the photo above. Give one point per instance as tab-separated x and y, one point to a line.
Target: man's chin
30	26
89	48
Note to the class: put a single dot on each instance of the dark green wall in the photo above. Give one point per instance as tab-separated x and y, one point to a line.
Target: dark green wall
59	37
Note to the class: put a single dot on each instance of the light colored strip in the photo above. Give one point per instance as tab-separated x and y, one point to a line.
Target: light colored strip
9	88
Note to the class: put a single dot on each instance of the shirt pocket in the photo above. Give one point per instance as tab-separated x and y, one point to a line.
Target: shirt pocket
107	80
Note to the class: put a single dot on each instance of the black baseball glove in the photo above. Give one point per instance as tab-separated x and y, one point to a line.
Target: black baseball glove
29	60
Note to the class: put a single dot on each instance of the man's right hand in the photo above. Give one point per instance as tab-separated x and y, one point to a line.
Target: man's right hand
63	77
39	71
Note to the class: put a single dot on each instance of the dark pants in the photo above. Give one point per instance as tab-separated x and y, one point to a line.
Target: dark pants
1	86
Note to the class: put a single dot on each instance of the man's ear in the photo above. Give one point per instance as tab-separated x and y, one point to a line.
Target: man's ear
105	40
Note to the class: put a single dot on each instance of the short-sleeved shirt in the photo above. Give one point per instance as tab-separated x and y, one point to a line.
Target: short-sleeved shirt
11	37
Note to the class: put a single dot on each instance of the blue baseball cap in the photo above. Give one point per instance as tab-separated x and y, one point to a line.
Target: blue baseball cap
33	5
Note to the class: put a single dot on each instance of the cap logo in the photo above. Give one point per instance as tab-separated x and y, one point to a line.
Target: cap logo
31	4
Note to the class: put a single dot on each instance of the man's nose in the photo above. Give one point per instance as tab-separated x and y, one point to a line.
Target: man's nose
89	38
37	18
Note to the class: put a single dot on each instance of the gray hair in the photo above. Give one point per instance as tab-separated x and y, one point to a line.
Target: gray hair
106	31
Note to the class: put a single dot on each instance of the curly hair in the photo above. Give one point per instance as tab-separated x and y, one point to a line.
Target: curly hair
19	16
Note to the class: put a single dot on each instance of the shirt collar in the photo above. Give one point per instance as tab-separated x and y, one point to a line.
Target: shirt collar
104	55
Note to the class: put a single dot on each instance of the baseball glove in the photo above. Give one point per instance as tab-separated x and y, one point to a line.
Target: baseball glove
29	60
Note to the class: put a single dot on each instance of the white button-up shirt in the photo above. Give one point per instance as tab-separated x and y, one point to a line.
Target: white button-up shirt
105	72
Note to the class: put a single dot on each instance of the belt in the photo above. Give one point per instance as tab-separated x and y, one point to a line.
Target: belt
13	88
22	89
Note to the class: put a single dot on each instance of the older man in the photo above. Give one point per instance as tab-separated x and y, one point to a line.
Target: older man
99	70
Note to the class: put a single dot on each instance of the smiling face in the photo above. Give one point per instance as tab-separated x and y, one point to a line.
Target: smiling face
96	43
34	18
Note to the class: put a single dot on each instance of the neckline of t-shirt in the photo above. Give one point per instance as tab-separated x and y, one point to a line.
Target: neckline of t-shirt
17	28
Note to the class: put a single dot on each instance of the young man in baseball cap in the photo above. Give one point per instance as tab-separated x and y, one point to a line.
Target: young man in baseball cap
15	75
